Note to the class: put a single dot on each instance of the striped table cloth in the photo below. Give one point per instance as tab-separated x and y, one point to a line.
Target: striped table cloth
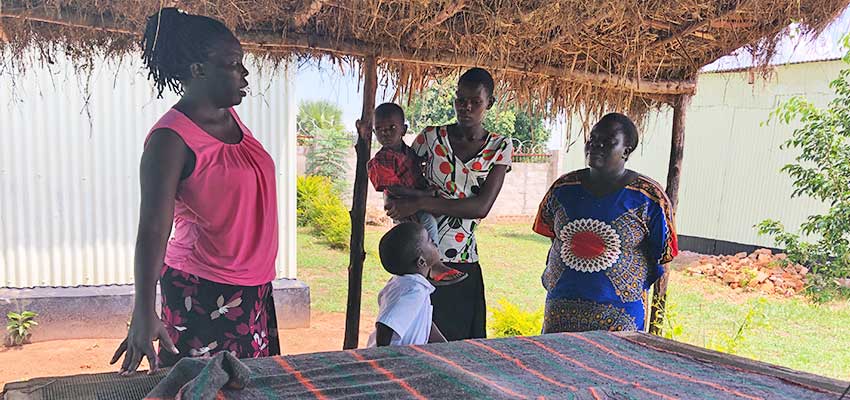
591	365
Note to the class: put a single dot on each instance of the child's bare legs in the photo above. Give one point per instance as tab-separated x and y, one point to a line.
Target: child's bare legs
440	273
429	222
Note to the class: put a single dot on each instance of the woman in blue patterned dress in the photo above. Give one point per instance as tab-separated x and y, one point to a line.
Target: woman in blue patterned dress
612	232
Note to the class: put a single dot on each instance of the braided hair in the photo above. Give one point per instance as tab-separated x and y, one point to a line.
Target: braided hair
173	41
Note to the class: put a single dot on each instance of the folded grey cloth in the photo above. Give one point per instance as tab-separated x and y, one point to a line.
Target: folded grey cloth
202	378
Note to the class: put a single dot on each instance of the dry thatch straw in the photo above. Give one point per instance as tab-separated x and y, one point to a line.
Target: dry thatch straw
568	56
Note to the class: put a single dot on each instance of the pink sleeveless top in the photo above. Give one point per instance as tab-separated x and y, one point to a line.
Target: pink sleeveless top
225	214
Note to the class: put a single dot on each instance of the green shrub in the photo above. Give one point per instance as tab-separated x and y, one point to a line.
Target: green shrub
309	188
319	207
19	326
333	222
820	171
508	320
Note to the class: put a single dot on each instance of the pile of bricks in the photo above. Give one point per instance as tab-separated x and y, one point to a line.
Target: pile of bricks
760	271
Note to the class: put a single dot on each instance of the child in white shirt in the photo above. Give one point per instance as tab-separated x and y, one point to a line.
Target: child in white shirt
404	304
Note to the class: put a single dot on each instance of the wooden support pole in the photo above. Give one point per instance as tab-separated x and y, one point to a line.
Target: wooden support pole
357	253
674	172
677	148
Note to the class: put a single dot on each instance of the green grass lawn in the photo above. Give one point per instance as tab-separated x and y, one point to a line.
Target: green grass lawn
790	332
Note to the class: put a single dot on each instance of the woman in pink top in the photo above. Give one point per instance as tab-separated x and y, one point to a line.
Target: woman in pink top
203	171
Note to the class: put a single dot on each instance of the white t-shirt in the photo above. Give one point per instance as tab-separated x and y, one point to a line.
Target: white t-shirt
404	305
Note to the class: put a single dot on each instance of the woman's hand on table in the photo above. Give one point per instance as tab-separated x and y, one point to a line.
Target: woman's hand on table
139	344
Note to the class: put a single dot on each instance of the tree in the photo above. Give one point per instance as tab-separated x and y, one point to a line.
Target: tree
313	115
821	171
435	106
322	121
538	133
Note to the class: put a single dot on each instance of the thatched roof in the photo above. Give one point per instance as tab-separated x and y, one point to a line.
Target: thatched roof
572	55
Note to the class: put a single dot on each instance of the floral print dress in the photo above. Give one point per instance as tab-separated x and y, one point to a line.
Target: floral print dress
204	317
456	179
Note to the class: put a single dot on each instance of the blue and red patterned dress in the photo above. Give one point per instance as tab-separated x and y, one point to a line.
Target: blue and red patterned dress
606	252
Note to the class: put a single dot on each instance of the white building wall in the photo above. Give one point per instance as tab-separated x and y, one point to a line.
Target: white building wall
70	146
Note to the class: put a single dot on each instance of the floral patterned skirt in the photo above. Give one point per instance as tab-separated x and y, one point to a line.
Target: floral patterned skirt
204	317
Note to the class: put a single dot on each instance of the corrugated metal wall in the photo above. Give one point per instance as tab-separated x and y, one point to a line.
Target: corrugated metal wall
730	172
69	154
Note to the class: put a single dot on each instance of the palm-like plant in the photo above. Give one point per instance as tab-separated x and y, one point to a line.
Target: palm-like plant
322	121
19	326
